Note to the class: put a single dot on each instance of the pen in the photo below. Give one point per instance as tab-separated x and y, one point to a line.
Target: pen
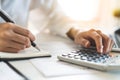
6	17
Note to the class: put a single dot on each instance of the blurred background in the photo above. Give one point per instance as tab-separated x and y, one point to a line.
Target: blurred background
98	14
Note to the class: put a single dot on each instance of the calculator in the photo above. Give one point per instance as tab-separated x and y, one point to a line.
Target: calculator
92	59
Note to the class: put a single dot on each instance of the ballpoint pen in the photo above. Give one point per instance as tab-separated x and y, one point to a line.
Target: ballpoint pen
7	18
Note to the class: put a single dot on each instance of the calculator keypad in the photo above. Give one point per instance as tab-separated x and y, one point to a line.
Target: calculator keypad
88	55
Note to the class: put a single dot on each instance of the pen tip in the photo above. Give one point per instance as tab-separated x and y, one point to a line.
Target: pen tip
37	48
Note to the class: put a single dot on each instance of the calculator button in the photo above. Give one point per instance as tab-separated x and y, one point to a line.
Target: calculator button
64	55
70	55
89	59
83	58
76	56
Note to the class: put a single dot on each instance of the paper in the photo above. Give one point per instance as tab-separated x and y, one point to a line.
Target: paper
57	68
6	73
27	53
50	67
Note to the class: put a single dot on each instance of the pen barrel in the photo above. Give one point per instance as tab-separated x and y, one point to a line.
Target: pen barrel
5	16
33	44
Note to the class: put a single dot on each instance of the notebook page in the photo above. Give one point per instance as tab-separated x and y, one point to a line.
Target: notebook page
29	52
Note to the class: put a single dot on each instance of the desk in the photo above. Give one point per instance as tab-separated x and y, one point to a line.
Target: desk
32	73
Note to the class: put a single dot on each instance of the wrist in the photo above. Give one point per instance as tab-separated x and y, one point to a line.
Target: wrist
72	33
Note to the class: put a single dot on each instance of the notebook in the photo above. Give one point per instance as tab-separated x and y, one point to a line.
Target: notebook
25	54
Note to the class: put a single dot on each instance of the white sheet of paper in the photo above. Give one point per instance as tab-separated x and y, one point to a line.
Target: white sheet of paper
6	73
57	68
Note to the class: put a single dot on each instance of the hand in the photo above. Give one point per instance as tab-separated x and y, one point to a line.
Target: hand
14	38
93	38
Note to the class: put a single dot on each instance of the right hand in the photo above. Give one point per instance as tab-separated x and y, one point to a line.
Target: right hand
92	37
14	38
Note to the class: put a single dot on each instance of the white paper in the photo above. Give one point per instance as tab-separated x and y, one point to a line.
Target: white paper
6	73
57	68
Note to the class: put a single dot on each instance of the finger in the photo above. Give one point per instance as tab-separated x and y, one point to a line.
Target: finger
98	40
111	46
107	42
16	45
83	42
16	38
19	38
24	32
9	49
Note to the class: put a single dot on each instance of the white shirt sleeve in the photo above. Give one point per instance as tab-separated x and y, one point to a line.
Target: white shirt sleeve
57	22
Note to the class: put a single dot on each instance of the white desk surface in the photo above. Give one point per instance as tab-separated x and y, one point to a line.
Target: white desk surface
32	73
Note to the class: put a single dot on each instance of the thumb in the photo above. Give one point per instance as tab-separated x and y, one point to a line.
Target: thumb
83	42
